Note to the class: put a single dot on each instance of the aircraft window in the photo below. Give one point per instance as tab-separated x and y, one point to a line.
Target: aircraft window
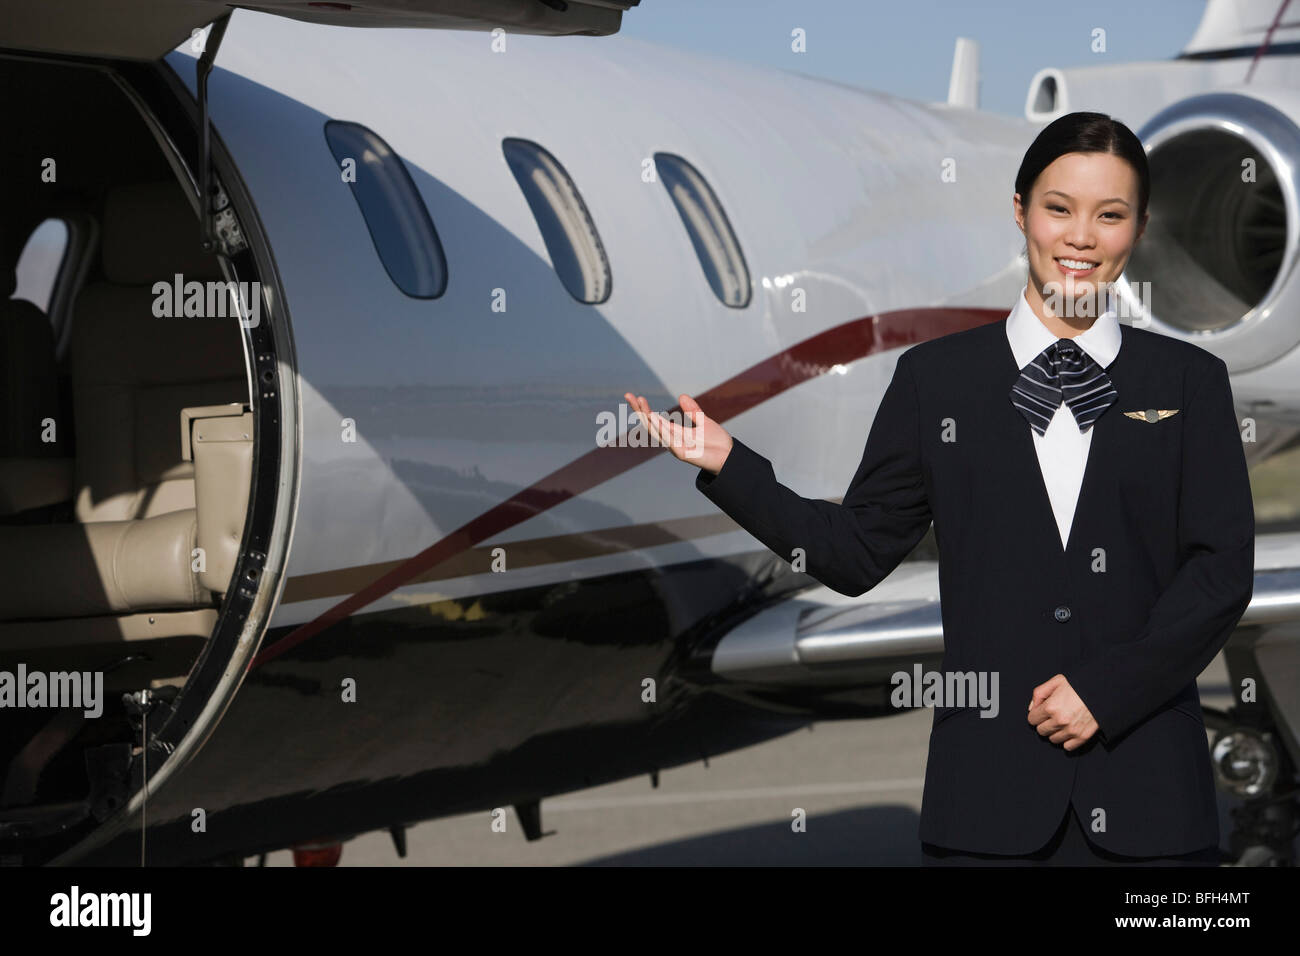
399	224
711	234
570	236
38	265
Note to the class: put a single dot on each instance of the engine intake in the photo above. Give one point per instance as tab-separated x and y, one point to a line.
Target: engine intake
1221	243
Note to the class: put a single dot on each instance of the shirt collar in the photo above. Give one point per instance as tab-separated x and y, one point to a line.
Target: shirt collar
1028	335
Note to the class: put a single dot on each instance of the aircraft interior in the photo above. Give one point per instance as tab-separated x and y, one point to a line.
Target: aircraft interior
126	445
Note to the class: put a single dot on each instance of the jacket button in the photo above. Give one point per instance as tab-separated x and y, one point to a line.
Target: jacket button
1062	613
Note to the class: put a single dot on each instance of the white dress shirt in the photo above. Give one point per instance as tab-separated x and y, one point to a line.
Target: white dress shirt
1062	450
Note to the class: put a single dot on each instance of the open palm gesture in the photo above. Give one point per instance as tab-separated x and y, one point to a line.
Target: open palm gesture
703	442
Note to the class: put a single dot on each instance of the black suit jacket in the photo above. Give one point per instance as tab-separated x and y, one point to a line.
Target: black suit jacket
1157	571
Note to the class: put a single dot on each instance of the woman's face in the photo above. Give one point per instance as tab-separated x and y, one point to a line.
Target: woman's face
1080	227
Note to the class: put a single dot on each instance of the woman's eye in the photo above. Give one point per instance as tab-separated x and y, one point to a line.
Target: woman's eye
1055	208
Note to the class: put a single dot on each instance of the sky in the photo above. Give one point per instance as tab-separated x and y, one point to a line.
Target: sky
906	47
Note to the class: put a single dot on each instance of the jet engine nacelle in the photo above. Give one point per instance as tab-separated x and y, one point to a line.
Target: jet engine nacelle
1217	264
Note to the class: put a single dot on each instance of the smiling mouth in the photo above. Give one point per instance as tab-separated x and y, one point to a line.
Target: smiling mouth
1076	265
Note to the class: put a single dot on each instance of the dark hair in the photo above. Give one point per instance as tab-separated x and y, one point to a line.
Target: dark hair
1084	133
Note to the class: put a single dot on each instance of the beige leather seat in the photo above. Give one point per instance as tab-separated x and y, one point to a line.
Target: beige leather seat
33	472
30	375
132	373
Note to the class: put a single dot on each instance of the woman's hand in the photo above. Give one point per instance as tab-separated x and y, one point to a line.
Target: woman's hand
706	445
1060	714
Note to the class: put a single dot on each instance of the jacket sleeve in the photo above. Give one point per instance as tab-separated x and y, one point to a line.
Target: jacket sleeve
848	547
1195	615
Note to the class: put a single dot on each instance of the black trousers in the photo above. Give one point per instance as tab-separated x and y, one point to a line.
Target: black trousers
1069	846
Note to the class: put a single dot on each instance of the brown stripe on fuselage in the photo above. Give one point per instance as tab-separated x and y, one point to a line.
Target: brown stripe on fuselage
528	553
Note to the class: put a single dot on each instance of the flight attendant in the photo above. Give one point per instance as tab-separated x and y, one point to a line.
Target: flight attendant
1095	528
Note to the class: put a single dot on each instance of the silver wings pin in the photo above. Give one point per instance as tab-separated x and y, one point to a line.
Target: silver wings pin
1153	414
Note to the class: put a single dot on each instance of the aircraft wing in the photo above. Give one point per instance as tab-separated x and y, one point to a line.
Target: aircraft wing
148	29
821	639
817	635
